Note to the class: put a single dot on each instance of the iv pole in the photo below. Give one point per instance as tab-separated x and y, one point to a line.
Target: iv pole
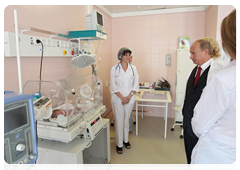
18	54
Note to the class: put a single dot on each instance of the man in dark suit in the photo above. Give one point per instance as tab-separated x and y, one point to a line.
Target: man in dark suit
201	55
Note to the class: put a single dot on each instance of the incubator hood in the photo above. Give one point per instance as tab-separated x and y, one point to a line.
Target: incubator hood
73	100
81	61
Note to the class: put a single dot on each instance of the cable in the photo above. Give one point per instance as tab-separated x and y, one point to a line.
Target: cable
36	137
97	47
40	76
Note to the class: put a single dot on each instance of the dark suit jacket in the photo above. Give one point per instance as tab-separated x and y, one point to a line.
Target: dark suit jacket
193	94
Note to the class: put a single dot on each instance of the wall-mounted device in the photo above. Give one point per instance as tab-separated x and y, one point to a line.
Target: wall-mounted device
20	141
168	59
94	21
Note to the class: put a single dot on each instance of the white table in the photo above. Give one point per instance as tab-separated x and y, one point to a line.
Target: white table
153	98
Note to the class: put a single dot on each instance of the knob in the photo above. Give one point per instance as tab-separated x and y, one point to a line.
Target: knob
20	147
31	156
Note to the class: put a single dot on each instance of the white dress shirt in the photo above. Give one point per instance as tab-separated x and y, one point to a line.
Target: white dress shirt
215	112
204	66
123	82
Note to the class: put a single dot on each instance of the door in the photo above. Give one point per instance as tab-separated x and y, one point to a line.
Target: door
184	68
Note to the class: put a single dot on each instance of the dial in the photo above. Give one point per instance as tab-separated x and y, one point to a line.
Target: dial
20	147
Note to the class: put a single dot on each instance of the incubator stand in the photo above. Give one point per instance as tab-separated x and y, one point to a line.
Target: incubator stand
81	126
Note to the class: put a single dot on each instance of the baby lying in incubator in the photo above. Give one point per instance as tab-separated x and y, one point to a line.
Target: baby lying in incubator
60	114
64	111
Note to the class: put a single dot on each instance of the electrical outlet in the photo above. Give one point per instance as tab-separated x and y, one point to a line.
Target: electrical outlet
70	45
48	42
54	43
38	44
58	43
66	44
44	41
106	83
62	44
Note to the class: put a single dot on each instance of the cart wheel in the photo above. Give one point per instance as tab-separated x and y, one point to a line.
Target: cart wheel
181	136
112	124
109	166
134	123
172	129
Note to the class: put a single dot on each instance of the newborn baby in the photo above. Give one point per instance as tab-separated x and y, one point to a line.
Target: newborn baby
63	110
57	112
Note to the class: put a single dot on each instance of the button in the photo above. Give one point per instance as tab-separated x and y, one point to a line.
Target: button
20	164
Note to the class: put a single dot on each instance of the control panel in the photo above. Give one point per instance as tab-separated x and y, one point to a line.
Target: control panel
42	108
20	144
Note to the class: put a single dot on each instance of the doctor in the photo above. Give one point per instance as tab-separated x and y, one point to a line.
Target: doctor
124	85
214	120
204	53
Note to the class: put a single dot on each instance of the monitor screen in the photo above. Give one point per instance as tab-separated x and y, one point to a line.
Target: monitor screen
15	118
99	19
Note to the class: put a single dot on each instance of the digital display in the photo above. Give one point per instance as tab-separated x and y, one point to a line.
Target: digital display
95	121
15	118
99	19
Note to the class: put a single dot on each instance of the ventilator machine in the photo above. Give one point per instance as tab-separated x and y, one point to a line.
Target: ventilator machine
20	142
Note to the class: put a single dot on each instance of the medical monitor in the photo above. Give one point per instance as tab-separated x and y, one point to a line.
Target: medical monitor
20	141
94	21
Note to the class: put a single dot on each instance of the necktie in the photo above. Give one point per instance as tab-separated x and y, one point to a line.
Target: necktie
198	75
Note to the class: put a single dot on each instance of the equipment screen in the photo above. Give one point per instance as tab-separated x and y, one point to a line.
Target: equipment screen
99	19
15	118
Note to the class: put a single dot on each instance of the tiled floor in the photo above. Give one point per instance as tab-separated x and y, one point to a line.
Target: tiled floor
150	147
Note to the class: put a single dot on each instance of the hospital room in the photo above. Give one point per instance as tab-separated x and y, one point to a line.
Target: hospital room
120	85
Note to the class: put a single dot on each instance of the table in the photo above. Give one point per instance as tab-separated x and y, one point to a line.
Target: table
146	96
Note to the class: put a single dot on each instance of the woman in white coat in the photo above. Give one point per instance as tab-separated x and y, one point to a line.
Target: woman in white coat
124	85
214	120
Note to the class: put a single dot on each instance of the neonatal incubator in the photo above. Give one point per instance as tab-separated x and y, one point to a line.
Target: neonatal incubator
71	129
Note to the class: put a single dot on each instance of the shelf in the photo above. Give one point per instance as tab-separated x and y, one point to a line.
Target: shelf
88	34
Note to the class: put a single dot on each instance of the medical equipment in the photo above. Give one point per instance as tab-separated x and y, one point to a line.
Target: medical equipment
86	91
82	60
82	121
118	68
20	143
42	108
94	21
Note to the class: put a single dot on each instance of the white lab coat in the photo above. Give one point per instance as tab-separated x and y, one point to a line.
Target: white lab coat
214	120
216	65
123	82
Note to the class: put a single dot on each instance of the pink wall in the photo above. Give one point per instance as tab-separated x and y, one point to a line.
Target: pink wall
151	37
223	11
214	16
211	21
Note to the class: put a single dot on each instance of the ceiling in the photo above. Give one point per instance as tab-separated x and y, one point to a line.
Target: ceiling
135	10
